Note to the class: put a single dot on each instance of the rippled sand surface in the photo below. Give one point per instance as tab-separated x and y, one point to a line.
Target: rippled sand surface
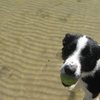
31	33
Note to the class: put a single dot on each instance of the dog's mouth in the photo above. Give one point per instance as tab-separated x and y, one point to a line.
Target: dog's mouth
67	80
66	85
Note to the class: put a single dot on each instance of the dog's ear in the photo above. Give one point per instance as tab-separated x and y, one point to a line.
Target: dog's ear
66	41
68	38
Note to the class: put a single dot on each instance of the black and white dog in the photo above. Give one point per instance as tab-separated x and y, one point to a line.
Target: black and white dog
81	56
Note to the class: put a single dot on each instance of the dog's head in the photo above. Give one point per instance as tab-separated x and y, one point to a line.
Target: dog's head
80	54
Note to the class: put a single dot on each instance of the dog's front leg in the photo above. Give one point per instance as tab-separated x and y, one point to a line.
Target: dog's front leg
97	98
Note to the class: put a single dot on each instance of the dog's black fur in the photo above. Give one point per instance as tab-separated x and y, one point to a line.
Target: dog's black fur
88	58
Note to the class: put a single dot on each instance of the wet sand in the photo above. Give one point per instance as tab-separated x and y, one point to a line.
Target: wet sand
31	33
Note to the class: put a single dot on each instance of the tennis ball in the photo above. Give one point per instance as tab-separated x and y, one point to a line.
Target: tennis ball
67	79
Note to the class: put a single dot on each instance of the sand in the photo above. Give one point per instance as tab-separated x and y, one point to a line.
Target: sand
31	33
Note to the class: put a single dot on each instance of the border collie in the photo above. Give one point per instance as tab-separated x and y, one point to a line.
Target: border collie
81	55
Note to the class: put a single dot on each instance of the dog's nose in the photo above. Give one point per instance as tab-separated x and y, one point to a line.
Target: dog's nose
68	70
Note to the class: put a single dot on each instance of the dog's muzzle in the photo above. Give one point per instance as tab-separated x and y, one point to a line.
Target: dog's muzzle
69	70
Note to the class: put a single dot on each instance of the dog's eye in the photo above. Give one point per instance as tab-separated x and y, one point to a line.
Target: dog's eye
85	52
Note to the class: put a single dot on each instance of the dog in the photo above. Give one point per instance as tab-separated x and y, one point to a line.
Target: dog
81	55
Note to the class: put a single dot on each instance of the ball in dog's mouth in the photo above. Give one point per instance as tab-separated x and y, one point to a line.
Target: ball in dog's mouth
68	80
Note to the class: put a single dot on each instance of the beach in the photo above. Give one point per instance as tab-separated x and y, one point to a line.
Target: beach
31	33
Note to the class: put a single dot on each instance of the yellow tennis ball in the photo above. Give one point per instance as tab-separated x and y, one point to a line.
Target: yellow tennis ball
67	79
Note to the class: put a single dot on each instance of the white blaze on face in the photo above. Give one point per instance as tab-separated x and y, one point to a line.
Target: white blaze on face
73	59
